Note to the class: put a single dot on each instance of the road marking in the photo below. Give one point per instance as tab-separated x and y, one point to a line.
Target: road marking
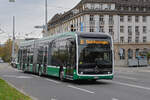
14	76
52	81
81	89
35	76
115	99
54	98
130	78
23	77
9	76
131	85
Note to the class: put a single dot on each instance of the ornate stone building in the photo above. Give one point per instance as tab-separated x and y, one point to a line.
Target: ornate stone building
128	21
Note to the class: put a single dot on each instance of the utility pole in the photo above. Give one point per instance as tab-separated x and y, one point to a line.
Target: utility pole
13	41
46	17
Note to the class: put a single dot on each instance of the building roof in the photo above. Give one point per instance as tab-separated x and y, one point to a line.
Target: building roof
58	18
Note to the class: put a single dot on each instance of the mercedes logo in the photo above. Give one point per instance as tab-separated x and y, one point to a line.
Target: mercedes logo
97	69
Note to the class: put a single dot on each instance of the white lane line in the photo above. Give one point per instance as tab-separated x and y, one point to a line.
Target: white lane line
131	85
15	76
52	81
81	89
35	76
130	78
115	99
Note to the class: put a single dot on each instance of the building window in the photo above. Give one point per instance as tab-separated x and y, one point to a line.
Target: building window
137	39
110	29
130	29
144	39
130	53
121	29
144	9
91	17
136	18
91	29
137	9
122	53
136	53
129	39
121	8
144	18
109	6
101	18
134	8
110	18
129	8
122	39
144	29
92	6
129	18
126	8
101	29
121	18
136	29
101	6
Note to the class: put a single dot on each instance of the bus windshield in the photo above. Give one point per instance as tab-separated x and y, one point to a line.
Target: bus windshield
94	51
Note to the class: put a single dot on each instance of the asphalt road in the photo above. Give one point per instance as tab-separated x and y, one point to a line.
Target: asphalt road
128	84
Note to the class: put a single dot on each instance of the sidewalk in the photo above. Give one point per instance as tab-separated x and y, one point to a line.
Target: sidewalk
133	69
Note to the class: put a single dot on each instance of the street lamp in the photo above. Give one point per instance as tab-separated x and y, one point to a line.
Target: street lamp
13	44
46	17
45	27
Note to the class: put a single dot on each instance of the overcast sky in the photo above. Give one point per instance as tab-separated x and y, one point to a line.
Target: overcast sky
28	13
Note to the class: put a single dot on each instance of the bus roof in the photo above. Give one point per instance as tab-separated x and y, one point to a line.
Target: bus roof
53	37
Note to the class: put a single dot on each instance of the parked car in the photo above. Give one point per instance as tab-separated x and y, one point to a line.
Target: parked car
1	61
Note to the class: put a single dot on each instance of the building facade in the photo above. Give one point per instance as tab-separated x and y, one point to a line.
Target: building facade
128	21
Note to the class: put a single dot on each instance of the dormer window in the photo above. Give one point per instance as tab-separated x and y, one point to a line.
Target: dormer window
137	9
109	6
129	9
121	8
92	6
144	9
101	6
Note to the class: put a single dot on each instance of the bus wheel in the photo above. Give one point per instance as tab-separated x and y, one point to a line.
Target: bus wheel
94	80
61	75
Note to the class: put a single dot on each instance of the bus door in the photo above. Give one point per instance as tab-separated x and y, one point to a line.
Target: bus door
28	59
45	59
70	56
40	56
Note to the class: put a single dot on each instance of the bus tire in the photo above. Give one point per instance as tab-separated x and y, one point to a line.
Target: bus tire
94	80
61	75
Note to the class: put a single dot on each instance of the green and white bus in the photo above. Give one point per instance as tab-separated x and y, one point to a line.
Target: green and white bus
72	55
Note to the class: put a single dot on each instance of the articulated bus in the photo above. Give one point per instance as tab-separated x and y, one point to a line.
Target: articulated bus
72	55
